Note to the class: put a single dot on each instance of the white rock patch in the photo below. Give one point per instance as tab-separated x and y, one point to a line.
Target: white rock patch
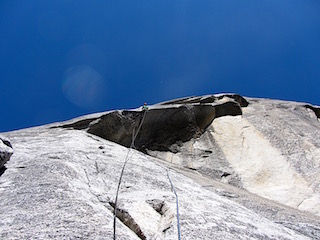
262	168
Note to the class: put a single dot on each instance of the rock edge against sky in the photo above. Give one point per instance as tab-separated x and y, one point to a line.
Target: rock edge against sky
243	168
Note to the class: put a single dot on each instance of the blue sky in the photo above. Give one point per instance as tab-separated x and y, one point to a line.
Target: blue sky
65	58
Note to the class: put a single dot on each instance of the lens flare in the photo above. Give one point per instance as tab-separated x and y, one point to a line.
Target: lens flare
83	86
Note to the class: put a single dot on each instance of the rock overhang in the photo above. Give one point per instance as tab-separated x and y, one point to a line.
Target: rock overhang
315	109
165	124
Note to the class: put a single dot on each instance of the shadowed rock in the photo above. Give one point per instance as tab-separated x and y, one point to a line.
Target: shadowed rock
316	110
5	151
162	126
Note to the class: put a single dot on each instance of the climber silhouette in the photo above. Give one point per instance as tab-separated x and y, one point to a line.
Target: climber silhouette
144	107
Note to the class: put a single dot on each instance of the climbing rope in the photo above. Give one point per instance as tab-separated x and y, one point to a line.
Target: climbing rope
177	204
134	136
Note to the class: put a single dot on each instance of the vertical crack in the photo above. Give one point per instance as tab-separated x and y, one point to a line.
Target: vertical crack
89	183
243	142
97	167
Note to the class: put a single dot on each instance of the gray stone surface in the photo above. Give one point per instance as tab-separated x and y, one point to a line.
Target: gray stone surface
61	182
5	151
272	149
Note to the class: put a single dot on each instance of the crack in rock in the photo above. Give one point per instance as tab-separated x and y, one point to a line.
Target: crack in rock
157	205
127	220
166	213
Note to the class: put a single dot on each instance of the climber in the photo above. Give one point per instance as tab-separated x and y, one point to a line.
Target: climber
144	107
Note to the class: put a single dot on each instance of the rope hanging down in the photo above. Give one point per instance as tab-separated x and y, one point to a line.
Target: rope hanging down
134	135
177	203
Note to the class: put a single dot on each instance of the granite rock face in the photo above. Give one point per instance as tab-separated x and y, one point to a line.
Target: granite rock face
61	184
268	147
272	150
246	169
5	150
164	125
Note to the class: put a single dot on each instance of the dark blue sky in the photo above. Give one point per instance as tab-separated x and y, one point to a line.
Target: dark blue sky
65	58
